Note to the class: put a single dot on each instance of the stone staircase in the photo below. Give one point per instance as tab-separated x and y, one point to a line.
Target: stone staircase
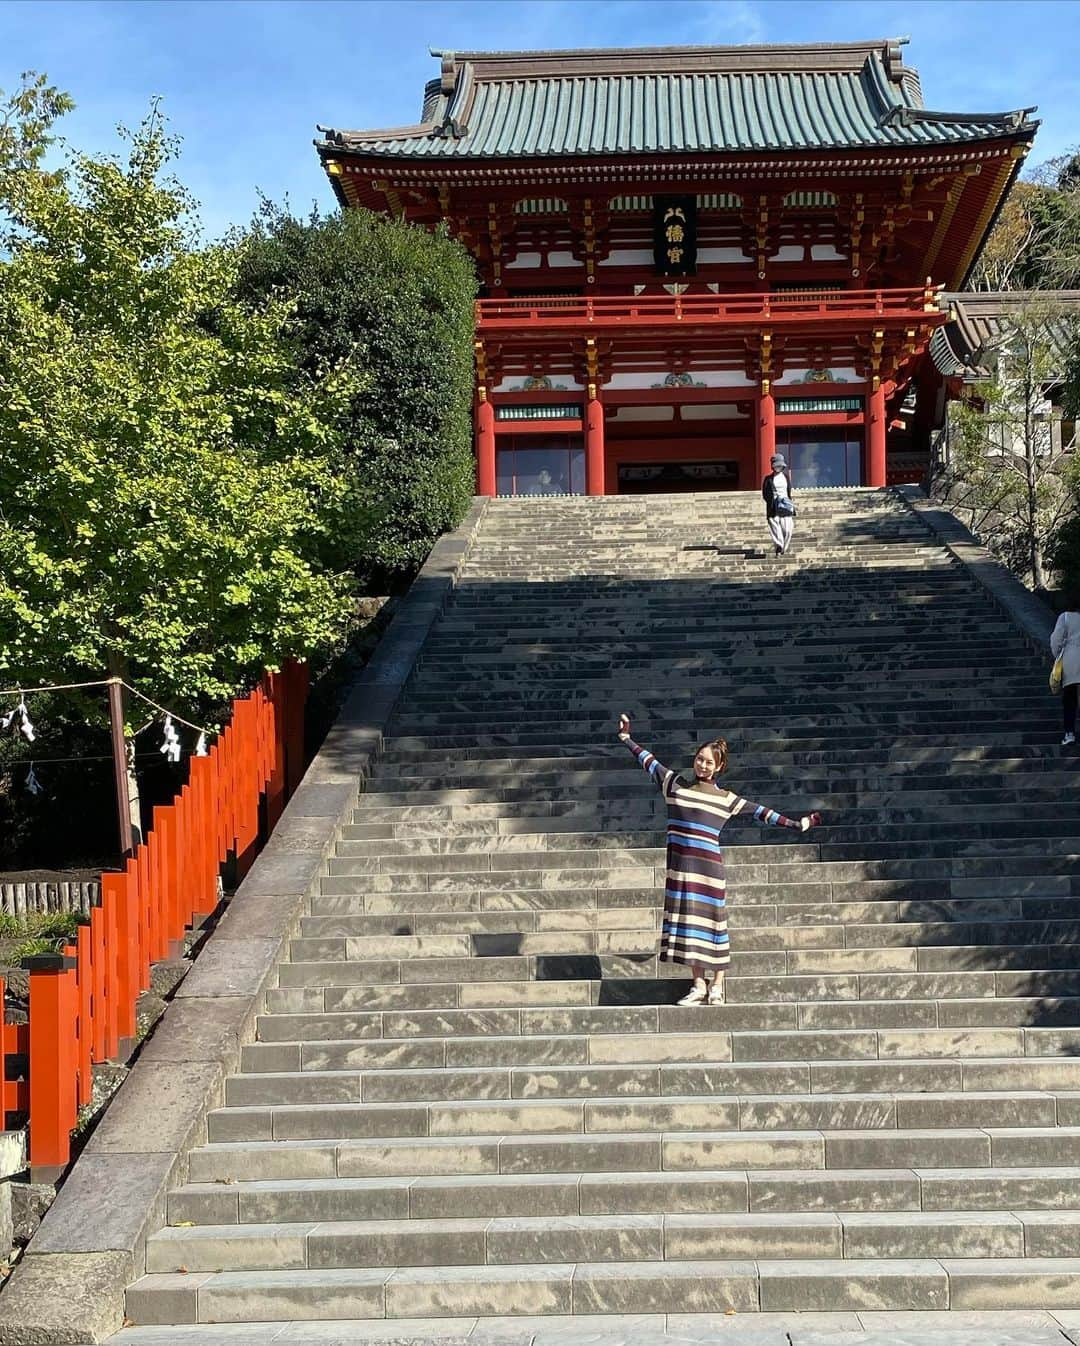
472	1092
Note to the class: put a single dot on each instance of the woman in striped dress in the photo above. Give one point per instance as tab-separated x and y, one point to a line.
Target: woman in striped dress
694	929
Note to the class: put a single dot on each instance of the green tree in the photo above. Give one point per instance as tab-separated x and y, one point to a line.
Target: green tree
171	497
1009	471
26	120
399	300
1035	244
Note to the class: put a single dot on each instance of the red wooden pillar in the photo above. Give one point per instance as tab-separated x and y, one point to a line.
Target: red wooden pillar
875	437
765	421
54	1062
124	894
93	989
594	447
485	447
90	998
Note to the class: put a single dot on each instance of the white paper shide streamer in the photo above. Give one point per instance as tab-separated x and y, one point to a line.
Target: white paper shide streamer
171	746
19	718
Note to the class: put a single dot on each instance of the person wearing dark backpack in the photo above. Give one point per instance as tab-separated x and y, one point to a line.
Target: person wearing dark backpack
776	491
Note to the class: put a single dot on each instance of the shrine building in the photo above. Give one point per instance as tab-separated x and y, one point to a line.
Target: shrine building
692	257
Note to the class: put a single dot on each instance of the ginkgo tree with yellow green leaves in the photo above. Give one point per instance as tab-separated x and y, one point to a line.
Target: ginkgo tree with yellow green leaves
172	501
169	477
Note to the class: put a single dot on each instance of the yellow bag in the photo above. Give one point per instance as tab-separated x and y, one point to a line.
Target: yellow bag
1057	675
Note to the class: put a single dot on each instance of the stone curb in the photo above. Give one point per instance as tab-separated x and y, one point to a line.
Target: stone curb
70	1284
1030	613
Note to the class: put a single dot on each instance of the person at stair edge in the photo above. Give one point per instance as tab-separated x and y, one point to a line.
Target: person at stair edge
694	930
779	505
1065	645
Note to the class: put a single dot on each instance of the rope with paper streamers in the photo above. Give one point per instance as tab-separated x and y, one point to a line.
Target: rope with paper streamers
18	720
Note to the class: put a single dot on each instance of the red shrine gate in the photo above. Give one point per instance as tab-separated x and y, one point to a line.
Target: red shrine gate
692	257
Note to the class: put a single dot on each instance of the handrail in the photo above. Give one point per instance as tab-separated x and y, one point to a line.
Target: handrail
631	310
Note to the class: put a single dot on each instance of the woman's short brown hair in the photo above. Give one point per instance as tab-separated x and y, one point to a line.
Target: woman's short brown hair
719	748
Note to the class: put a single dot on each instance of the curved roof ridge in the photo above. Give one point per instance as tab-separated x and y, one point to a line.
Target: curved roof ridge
648	100
563	54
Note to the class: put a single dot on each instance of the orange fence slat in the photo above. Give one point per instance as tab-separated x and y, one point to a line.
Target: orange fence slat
83	1002
84	1013
53	1051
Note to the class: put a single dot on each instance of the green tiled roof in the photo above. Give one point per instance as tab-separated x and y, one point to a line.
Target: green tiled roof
674	100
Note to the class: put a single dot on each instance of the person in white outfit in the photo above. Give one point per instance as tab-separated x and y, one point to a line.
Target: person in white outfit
779	505
1065	645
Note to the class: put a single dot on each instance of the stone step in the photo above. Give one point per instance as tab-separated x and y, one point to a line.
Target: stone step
756	978
989	1011
631	807
619	851
635	929
291	1181
479	913
446	914
248	1246
841	820
607	1035
347	1093
586	793
707	1287
497	769
558	953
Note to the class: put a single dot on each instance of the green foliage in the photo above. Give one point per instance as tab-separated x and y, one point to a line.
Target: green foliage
173	500
37	932
26	119
1009	473
399	301
1035	244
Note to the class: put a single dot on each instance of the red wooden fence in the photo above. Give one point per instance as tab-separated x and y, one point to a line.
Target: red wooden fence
82	1001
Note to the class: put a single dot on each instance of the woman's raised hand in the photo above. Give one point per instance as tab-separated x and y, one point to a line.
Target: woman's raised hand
810	820
624	727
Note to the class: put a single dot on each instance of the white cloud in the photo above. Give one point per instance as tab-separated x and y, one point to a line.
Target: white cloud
726	22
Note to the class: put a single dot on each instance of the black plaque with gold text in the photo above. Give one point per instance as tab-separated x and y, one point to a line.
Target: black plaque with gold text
675	235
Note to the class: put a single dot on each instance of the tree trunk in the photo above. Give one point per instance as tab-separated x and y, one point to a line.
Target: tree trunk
118	669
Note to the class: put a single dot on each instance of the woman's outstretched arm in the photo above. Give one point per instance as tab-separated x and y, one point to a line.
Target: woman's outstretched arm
646	760
768	817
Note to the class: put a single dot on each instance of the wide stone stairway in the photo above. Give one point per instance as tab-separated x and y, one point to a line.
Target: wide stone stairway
472	1092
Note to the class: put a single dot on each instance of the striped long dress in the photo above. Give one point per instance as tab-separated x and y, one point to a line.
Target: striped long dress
695	930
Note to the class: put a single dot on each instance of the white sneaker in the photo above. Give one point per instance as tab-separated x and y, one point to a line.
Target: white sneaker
716	991
697	993
1069	738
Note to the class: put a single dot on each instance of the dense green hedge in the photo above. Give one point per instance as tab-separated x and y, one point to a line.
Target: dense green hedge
399	300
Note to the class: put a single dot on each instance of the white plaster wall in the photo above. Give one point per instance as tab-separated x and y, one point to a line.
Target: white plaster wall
711	378
713	411
792	376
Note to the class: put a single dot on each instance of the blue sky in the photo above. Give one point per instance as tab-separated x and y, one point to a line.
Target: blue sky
245	81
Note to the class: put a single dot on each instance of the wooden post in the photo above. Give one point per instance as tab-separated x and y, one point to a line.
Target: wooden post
766	433
485	448
875	437
128	840
594	447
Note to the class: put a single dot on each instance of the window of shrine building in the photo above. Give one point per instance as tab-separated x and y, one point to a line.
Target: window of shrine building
540	465
829	456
